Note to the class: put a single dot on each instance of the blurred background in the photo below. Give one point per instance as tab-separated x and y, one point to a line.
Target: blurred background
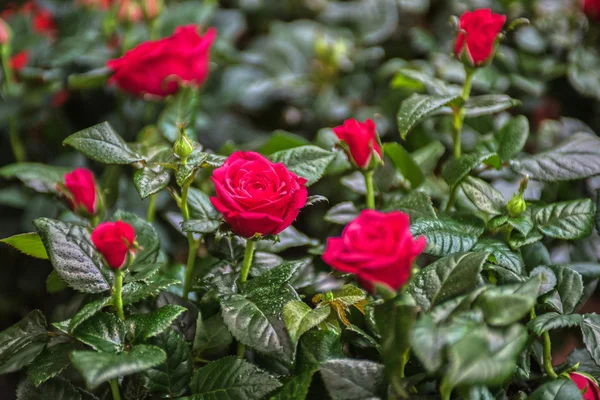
283	72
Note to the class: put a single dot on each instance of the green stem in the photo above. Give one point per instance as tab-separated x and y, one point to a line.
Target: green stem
248	254
95	220
192	244
151	208
445	390
117	296
114	388
459	113
405	358
451	200
370	192
547	350
15	140
8	72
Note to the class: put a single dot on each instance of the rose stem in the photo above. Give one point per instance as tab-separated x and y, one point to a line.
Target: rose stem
151	208
248	254
117	296
547	350
370	192
192	244
114	388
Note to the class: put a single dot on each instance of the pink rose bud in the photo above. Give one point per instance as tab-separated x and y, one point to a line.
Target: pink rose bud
587	385
159	67
4	32
152	8
477	37
114	240
256	195
81	191
377	247
129	11
359	140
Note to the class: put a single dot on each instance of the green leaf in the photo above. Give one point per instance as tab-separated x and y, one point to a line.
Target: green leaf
144	326
566	220
415	204
151	179
57	388
485	356
350	379
455	170
488	104
51	362
97	368
296	388
232	379
395	320
87	311
437	86
299	318
204	217
590	329
96	78
172	377
404	163
501	254
427	157
309	161
136	291
546	322
342	213
181	109
22	342
522	223
484	196
444	236
40	177
73	256
54	284
558	389
427	342
28	243
281	140
104	332
512	137
417	107
101	143
211	335
504	305
575	158
446	278
569	287
318	346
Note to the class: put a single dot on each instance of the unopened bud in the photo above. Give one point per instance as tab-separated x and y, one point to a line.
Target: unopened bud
517	205
5	33
129	11
183	146
152	8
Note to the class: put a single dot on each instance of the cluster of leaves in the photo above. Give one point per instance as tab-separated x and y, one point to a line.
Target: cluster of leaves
474	319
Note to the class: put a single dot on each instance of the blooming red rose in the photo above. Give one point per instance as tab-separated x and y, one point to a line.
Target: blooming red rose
43	23
591	8
588	386
19	60
114	240
360	140
158	67
377	247
82	193
478	32
257	196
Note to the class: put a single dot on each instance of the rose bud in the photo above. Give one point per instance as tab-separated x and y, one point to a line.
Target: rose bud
360	142
587	385
257	196
129	11
159	67
79	188
377	247
476	40
152	8
591	8
115	241
19	60
5	32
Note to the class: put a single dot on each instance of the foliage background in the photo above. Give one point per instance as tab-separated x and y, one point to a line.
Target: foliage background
297	66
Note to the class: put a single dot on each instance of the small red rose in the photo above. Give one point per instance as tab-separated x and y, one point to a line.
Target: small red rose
159	67
359	140
114	240
81	190
591	8
19	60
588	386
256	195
477	37
377	247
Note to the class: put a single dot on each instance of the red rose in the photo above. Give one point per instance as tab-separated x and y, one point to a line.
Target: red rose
158	67
19	60
377	247
114	240
257	196
359	140
43	23
81	189
591	8
588	386
478	32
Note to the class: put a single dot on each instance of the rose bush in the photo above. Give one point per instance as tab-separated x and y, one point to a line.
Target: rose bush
243	235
